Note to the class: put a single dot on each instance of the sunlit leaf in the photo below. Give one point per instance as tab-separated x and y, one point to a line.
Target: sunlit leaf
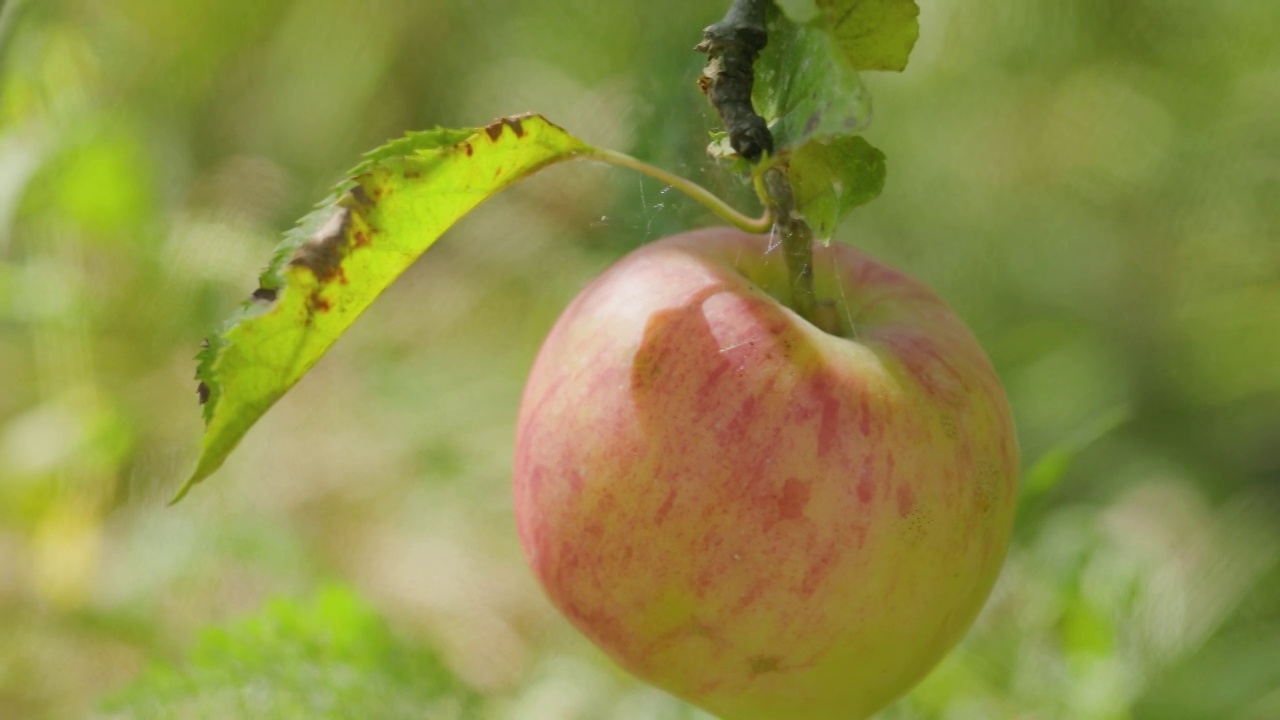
343	255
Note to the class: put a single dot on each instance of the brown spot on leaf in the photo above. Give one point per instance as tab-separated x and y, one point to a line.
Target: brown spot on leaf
358	197
412	174
320	304
267	295
323	253
494	129
470	150
361	238
203	391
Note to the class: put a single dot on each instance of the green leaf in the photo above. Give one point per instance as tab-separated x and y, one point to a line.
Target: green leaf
331	657
816	104
803	90
396	204
872	34
831	177
799	11
866	34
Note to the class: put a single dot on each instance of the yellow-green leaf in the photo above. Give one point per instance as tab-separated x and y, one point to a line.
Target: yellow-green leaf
342	256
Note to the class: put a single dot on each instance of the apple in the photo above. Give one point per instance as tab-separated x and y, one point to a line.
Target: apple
758	516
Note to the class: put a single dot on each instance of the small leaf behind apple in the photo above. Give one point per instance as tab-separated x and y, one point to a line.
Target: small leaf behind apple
831	177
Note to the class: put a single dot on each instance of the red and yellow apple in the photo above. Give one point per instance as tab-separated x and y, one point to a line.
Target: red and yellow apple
763	518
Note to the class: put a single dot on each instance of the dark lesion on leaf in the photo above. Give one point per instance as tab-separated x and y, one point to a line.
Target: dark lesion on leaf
495	128
357	198
812	123
323	252
202	389
265	294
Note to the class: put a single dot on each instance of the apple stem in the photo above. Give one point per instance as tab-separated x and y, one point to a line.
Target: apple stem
732	46
695	191
779	217
797	246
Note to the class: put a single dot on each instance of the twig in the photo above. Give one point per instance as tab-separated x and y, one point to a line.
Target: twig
797	243
731	46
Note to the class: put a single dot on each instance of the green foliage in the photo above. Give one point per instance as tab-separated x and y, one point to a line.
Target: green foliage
331	657
803	90
866	34
1128	616
831	177
809	91
1046	472
872	34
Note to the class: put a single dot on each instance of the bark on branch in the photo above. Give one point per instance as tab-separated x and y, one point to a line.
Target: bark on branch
731	46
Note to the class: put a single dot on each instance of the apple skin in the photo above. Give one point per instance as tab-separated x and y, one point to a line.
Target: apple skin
762	518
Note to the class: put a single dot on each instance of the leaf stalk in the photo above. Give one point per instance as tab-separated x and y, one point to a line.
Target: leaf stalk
696	192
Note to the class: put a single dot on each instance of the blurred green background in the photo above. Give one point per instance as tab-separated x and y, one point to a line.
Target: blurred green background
1095	186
